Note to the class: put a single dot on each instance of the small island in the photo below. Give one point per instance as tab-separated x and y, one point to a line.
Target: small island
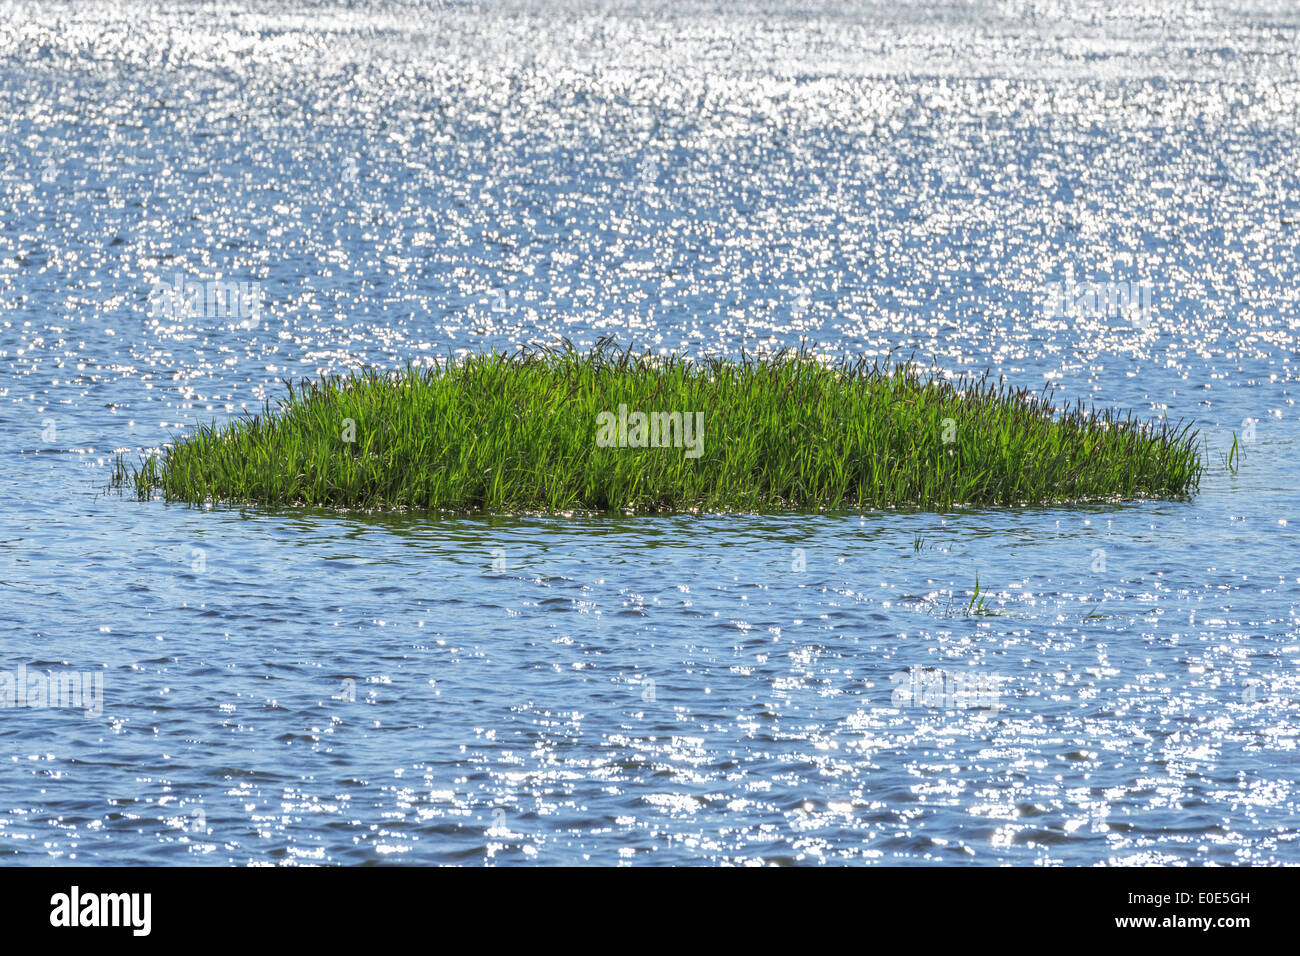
611	430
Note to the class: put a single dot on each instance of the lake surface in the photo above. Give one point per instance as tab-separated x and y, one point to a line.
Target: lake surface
398	183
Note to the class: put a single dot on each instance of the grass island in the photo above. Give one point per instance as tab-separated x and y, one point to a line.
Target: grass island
612	430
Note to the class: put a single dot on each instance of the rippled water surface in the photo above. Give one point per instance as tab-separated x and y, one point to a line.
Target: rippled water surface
400	182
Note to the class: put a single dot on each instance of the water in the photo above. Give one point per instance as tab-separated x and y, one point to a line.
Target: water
398	183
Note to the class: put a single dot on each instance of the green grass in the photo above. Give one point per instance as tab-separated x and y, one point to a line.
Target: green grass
515	433
976	607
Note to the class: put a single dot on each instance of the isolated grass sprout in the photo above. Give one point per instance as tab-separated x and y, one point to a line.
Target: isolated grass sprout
519	433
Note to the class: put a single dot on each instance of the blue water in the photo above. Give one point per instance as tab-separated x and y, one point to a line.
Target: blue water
401	182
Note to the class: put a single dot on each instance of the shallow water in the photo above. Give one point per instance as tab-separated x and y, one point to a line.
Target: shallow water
399	183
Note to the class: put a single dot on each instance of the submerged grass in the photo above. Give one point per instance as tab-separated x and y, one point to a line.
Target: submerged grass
519	433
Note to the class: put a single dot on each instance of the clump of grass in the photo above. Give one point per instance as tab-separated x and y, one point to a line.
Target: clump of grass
976	607
518	433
